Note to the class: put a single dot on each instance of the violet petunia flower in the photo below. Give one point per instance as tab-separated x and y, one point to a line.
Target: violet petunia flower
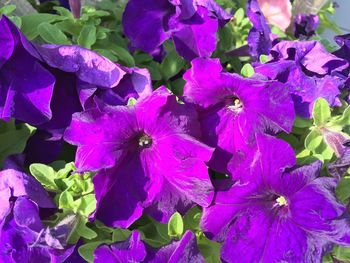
192	25
277	214
305	25
148	155
77	77
308	71
26	86
259	37
232	109
23	236
134	250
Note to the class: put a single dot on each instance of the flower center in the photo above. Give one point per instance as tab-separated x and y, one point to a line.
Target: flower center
145	141
281	201
235	104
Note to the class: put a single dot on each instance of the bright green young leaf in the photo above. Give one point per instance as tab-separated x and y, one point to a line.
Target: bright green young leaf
313	140
85	205
7	10
45	175
66	201
342	121
247	71
85	232
86	251
341	253
239	15
171	65
132	101
175	225
51	34
87	36
63	11
155	233
13	138
263	59
321	112
70	26
31	22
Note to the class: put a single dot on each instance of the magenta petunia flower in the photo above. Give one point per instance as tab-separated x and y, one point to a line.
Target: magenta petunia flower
134	250
192	25
274	213
308	71
233	109
149	156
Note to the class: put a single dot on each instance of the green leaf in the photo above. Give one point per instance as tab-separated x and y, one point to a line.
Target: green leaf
87	36
342	121
86	251
85	205
13	138
171	65
63	11
31	22
239	15
341	253
313	140
51	34
343	189
247	70
66	201
70	26
123	55
7	10
45	175
263	59
120	235
85	232
132	101
209	249
321	112
175	225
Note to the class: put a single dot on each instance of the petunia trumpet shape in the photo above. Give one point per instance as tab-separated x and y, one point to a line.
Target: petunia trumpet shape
308	71
233	109
192	25
149	156
275	213
134	250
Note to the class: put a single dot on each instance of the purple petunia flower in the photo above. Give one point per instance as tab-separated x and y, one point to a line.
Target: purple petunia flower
308	71
26	87
305	25
23	237
233	109
68	76
192	25
259	37
134	250
149	156
274	213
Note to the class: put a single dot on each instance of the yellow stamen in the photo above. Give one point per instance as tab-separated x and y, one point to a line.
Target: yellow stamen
281	201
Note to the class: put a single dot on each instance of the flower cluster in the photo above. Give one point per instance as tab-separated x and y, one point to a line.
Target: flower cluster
228	152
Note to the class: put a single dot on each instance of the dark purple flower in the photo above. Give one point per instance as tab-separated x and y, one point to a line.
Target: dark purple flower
339	167
192	25
305	25
308	71
26	87
134	250
77	77
14	183
259	37
149	156
233	109
20	232
344	53
275	214
23	237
